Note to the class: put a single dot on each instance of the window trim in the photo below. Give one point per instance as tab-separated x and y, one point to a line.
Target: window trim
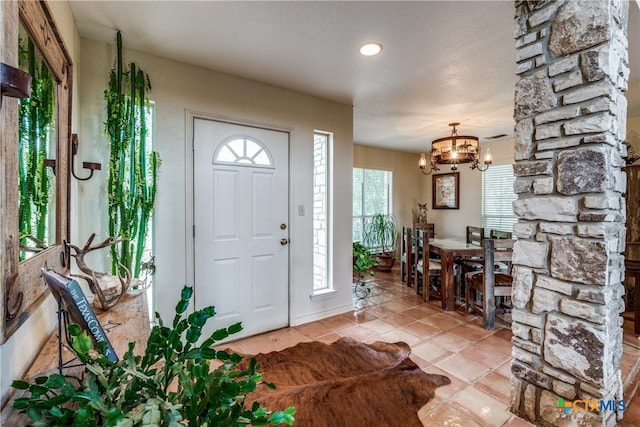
327	285
237	162
389	199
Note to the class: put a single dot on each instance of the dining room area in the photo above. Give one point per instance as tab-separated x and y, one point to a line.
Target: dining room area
446	215
457	325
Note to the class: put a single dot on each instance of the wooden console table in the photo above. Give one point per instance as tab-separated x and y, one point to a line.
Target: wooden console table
127	322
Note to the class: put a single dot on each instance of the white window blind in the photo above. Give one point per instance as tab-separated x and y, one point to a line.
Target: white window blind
371	195
497	198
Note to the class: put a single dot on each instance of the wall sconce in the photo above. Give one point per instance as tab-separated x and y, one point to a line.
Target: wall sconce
86	165
14	82
50	163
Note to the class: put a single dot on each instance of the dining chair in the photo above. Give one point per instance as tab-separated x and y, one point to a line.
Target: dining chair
499	234
406	256
474	236
484	287
426	270
431	229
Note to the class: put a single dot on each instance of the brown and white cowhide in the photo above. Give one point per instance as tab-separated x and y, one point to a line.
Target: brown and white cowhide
346	383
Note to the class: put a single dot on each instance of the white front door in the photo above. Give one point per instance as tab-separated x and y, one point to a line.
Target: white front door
241	233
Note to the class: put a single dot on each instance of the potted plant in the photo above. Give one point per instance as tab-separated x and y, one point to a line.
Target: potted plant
176	382
363	264
381	236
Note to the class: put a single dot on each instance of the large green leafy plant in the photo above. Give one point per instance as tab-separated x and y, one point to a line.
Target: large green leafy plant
381	234
172	384
363	263
36	131
133	173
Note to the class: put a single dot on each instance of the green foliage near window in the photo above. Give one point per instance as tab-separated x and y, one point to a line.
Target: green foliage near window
372	194
171	384
381	234
363	263
36	123
132	181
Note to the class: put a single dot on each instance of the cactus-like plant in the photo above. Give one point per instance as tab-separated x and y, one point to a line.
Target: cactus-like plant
37	117
132	180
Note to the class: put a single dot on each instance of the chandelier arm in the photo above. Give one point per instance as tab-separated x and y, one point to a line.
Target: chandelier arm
426	173
481	169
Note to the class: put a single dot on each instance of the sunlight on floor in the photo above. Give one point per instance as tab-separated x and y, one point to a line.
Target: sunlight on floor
454	344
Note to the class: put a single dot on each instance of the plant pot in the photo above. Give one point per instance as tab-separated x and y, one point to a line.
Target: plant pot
385	262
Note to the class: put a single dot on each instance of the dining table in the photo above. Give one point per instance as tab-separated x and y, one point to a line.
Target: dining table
448	249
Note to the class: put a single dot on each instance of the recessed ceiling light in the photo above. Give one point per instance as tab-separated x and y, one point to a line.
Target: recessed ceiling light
370	49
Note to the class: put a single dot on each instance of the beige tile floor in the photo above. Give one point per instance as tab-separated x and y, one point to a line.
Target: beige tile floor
449	343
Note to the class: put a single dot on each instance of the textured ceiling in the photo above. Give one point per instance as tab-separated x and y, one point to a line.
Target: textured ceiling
443	61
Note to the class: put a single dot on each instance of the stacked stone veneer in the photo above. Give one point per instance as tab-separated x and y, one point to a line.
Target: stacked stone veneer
570	114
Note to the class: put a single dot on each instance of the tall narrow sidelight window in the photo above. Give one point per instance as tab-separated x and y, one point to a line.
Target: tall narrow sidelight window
371	195
497	198
321	201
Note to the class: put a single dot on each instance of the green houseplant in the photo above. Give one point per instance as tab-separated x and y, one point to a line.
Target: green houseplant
381	236
37	119
172	384
363	263
133	173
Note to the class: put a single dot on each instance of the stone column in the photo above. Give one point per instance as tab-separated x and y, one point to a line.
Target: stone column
570	114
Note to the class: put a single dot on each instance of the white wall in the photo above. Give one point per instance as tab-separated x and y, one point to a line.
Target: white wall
177	89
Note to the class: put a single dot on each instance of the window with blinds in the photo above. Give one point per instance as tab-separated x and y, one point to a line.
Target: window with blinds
497	198
371	195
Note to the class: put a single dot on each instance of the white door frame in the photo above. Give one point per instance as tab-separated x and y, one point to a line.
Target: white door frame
190	116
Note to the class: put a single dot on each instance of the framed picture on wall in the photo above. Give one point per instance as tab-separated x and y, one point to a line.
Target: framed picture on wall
446	191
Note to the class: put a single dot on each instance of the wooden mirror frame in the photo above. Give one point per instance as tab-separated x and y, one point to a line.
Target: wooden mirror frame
22	289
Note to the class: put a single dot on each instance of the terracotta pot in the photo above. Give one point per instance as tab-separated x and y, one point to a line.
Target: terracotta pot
385	262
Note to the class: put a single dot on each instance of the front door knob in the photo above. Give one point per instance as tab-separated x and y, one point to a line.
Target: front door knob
284	242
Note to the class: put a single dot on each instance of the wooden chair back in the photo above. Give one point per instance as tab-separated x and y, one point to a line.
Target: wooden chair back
499	234
429	227
491	283
475	235
406	255
420	241
425	268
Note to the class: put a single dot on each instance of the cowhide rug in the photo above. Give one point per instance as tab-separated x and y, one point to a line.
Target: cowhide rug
347	383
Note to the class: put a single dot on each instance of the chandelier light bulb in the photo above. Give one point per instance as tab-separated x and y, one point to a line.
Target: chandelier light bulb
488	157
423	161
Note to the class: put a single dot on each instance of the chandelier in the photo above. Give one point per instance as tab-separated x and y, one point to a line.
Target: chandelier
452	150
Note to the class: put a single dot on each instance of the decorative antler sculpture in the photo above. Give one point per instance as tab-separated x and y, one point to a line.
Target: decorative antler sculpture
93	277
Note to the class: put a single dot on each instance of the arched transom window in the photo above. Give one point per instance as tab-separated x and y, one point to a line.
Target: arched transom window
243	151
